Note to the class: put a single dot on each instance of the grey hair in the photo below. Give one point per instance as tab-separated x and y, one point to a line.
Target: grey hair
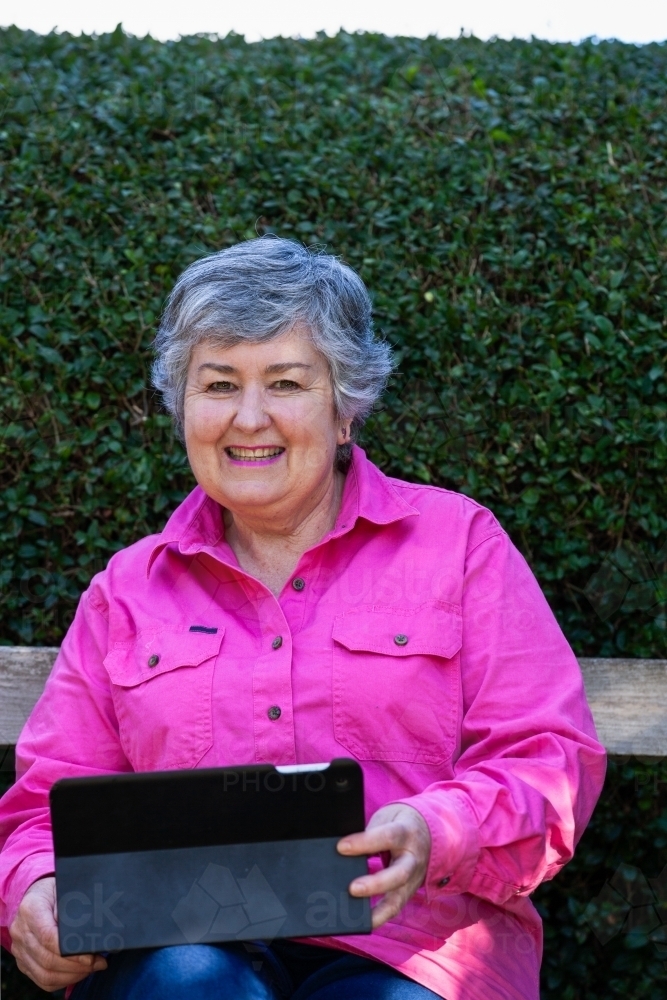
257	290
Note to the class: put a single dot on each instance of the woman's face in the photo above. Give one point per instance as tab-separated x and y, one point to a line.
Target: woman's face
260	426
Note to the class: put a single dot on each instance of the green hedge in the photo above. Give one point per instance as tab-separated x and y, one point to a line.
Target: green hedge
506	204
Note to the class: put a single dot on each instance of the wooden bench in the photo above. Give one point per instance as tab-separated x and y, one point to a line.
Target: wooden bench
628	698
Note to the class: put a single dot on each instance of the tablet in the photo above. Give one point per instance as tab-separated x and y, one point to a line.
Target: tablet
202	856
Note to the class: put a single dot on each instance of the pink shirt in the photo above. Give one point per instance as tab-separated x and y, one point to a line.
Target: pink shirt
479	720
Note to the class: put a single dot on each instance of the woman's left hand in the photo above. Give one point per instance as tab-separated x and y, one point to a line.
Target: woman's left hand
402	832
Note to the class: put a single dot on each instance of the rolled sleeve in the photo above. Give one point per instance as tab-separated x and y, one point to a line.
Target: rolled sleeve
31	869
454	841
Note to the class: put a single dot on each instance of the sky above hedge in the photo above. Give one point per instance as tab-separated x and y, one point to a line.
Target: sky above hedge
556	20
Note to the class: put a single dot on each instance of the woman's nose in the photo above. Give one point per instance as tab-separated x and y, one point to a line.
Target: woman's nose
251	415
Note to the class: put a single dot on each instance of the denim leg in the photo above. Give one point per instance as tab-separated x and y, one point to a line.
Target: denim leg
356	978
195	972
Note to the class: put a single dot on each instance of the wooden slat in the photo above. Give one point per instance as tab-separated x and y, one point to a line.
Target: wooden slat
628	698
23	673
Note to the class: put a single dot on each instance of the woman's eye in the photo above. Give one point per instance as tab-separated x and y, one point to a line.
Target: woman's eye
285	383
221	386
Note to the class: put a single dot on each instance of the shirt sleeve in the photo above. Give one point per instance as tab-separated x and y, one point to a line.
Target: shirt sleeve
72	732
530	768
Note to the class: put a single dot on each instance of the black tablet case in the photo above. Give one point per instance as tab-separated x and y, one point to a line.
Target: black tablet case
224	854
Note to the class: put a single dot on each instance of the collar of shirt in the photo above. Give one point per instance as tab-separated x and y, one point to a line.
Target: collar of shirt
197	526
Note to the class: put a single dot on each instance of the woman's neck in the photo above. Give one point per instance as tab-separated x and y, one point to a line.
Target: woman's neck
270	548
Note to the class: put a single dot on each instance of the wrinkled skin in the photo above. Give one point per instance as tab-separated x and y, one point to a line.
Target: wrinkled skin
34	933
402	832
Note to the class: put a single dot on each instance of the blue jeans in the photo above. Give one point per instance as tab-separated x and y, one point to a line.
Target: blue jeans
246	972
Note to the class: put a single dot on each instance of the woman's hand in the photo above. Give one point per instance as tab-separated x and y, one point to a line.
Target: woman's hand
402	832
34	933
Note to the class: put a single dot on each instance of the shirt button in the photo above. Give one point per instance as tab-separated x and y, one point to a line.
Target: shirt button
444	881
274	713
277	642
298	583
153	660
400	639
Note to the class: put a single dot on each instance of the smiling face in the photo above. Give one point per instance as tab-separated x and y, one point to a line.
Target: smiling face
260	425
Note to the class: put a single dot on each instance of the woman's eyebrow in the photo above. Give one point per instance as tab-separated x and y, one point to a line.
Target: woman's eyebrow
278	368
284	366
222	369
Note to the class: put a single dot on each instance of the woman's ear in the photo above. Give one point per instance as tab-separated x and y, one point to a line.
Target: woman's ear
344	433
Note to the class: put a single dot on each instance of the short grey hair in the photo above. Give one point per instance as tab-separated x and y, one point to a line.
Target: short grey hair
260	289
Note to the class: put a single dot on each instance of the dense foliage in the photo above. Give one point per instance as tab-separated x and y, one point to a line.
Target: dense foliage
505	202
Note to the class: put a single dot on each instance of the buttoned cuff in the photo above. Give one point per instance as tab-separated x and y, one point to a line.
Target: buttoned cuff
32	868
455	841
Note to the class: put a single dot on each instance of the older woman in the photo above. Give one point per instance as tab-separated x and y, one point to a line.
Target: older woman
299	606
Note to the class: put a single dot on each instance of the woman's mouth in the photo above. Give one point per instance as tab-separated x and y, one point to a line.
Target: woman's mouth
263	455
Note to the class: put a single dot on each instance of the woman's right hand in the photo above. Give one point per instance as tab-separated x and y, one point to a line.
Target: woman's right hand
34	934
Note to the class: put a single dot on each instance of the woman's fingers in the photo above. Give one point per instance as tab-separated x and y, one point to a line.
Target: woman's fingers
52	980
46	958
400	831
52	972
389	906
374	840
395	876
35	942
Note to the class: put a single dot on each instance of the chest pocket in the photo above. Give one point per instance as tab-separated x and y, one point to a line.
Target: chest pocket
161	684
396	682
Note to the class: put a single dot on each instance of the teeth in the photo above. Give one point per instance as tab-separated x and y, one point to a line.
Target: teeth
254	454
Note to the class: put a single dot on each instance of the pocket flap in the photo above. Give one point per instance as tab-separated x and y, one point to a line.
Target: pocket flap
433	629
155	652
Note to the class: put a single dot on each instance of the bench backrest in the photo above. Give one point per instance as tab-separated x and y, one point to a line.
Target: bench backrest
628	698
